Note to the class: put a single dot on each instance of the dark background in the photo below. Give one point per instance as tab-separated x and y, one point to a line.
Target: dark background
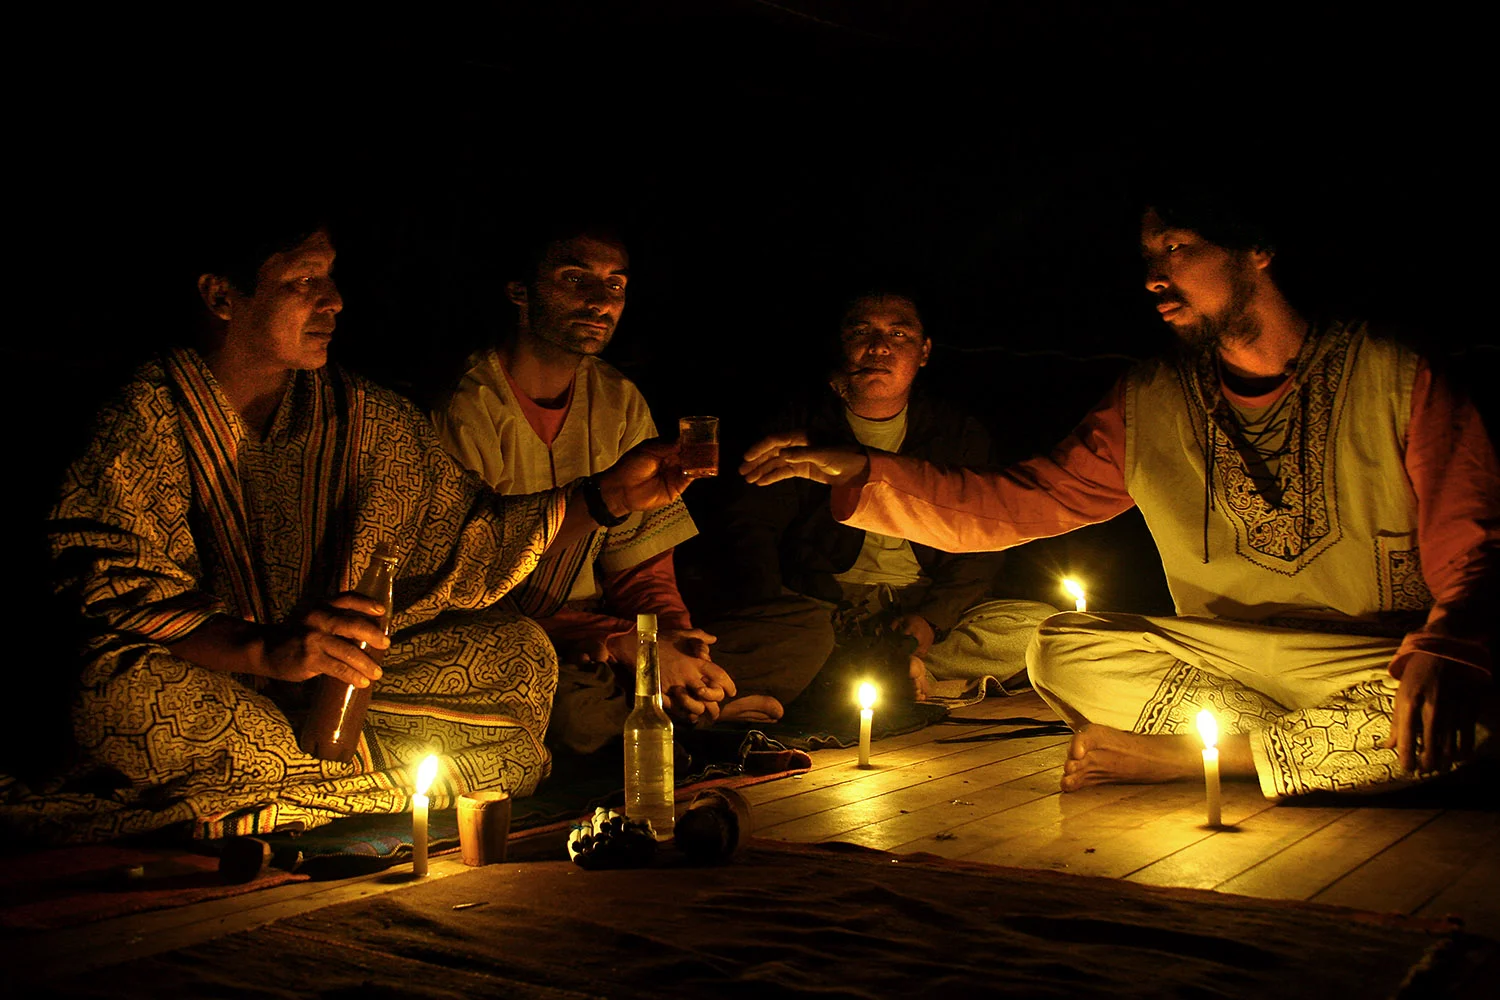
767	158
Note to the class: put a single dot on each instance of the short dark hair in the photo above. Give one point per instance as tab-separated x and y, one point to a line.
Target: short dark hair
531	246
885	290
1231	219
235	246
831	349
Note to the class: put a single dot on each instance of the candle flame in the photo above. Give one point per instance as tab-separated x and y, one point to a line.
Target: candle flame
1073	587
867	695
1208	728
426	772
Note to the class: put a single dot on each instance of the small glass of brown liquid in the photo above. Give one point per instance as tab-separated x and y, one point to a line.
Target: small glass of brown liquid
698	445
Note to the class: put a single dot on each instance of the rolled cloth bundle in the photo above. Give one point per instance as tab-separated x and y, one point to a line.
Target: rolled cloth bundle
714	826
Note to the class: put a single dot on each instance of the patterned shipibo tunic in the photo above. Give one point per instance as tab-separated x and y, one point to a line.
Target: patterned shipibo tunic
176	514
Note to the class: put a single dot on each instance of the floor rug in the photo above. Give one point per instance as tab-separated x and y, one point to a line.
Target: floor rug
360	845
804	921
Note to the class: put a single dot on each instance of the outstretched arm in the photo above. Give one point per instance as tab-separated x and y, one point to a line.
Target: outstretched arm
959	580
787	456
960	510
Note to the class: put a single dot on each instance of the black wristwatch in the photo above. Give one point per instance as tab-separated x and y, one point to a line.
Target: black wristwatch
593	499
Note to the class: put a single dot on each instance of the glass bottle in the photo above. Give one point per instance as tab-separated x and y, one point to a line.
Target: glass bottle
649	784
331	729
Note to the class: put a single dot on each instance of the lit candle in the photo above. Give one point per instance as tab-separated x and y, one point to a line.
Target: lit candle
1075	590
425	773
866	716
1209	730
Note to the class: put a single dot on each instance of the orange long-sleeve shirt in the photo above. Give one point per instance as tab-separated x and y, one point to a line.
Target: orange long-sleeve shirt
1449	461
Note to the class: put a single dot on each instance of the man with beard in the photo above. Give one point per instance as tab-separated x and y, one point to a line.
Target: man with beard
785	540
540	409
1326	507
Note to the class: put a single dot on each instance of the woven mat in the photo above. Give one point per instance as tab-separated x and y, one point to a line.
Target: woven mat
361	845
64	887
737	755
787	920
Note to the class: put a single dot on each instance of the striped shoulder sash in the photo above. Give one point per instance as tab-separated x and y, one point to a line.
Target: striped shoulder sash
213	436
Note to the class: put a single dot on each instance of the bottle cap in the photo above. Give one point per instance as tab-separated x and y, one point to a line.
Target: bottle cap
645	624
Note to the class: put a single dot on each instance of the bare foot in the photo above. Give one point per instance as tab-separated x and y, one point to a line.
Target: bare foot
1100	755
917	670
752	708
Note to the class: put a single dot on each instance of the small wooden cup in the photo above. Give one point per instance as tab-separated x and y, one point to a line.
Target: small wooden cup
483	827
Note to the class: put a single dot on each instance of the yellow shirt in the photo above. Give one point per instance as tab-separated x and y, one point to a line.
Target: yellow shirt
882	558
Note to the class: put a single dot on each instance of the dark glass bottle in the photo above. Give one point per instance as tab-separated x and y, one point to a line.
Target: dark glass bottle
331	729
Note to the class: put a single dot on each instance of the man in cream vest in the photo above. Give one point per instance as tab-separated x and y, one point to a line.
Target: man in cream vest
540	408
1327	511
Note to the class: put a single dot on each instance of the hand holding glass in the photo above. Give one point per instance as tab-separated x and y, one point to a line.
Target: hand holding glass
698	445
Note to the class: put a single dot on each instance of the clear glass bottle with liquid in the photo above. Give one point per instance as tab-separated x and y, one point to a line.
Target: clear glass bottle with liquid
331	729
649	784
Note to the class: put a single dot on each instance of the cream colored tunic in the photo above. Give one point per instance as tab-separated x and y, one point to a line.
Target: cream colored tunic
483	427
1342	544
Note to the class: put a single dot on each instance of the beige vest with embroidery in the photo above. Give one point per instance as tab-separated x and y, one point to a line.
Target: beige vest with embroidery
1342	544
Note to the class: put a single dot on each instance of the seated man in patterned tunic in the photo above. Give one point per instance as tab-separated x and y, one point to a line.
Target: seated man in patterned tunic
1326	507
229	493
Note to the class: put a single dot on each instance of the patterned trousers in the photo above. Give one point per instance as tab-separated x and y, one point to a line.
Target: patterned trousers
174	742
1316	705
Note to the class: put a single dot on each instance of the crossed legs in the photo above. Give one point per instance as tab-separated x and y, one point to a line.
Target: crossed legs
1302	710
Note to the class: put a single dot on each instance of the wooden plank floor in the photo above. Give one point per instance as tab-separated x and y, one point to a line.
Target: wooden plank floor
997	802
